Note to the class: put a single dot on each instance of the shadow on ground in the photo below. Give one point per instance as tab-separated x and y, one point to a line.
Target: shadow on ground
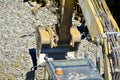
31	74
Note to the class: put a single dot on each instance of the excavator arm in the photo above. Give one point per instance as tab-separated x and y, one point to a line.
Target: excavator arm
63	34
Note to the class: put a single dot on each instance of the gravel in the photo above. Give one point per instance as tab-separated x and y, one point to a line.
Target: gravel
87	49
17	36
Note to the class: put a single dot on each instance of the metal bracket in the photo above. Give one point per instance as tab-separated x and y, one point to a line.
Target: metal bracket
117	70
104	35
115	48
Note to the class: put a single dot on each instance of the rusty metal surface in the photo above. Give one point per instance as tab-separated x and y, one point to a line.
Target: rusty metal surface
48	35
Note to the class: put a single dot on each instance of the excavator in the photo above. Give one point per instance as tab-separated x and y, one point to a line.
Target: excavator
64	37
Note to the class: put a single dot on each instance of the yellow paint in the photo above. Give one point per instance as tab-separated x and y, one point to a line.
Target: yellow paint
107	70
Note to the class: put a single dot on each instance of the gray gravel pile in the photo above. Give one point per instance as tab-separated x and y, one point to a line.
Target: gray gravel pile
17	36
90	50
